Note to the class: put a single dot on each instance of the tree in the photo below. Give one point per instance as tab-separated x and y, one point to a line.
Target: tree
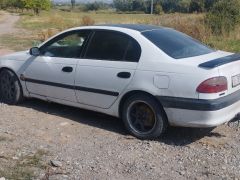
92	6
196	6
224	16
138	5
123	5
73	2
170	5
3	4
131	5
158	9
184	6
37	5
95	6
208	4
19	4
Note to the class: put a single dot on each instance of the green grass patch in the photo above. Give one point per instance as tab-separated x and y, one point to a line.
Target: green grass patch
25	167
227	44
17	43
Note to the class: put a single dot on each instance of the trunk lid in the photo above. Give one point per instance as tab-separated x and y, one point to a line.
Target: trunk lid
231	70
220	61
196	61
228	66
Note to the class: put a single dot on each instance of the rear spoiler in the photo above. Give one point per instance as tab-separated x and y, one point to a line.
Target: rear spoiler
220	61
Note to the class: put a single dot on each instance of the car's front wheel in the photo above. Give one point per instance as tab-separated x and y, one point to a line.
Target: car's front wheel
10	88
144	117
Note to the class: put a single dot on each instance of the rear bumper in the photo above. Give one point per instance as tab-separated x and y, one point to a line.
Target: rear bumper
201	113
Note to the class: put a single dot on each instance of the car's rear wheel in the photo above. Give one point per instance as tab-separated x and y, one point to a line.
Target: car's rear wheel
144	117
10	88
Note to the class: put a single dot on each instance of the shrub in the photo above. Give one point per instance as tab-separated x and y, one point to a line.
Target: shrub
192	25
45	34
158	9
87	21
224	16
196	6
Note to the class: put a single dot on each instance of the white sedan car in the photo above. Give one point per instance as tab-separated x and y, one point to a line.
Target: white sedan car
149	76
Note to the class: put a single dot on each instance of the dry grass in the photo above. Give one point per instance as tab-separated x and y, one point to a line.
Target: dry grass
191	24
49	23
62	20
46	33
17	42
87	21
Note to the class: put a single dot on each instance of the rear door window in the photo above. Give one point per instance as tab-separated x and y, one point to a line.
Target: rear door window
113	46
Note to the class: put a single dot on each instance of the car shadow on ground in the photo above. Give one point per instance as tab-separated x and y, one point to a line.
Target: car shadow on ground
180	136
174	136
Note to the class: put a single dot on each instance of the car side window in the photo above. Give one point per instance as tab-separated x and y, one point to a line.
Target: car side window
69	45
113	46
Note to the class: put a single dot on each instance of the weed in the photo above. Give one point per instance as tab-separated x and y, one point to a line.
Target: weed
46	33
25	167
87	21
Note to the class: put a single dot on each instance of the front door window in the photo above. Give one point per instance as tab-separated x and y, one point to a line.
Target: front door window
66	46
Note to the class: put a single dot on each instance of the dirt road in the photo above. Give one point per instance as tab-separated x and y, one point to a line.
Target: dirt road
7	26
40	140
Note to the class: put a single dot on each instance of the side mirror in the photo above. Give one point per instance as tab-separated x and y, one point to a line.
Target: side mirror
35	51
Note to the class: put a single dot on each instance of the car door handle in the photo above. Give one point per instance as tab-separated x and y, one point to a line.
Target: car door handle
67	69
124	75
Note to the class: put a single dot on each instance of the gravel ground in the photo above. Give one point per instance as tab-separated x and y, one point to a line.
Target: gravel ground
40	140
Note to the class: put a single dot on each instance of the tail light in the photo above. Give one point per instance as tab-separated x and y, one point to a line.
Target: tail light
213	85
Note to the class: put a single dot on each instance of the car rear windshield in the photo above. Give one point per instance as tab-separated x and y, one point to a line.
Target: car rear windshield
176	44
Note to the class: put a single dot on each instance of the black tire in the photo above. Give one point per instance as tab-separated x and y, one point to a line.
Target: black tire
10	88
144	117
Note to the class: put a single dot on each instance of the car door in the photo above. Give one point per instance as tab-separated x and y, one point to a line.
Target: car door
106	68
52	73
